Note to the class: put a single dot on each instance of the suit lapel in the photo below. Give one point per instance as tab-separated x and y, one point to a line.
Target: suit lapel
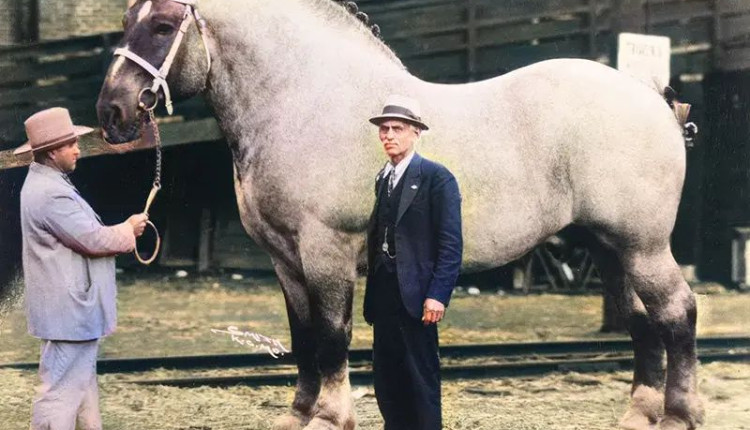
411	185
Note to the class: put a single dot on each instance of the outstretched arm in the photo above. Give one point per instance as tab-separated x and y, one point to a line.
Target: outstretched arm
68	222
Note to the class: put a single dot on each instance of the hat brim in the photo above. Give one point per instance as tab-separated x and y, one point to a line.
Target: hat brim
377	120
78	130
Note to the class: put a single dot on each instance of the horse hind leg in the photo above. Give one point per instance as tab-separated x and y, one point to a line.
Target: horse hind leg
647	398
647	393
660	311
672	312
304	349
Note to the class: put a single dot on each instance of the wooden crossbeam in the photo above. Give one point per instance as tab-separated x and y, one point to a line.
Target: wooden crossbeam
92	145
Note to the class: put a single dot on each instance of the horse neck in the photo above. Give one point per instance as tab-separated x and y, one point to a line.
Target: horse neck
280	61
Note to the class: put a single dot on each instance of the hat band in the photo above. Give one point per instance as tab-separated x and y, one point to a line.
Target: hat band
55	141
391	109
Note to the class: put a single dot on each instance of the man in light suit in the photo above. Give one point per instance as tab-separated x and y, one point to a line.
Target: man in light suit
414	255
69	273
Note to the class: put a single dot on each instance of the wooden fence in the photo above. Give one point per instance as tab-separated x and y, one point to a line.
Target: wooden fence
438	40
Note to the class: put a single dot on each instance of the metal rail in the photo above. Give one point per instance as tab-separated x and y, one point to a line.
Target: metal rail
474	371
357	357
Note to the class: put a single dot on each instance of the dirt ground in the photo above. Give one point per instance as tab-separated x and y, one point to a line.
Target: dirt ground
559	401
165	316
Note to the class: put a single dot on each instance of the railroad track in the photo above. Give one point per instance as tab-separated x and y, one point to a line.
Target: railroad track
487	361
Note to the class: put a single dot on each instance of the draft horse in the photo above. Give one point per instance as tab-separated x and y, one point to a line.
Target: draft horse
561	142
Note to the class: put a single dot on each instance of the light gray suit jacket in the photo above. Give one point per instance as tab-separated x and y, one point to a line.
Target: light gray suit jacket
68	260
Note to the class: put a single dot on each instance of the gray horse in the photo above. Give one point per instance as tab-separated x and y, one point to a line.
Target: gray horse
557	143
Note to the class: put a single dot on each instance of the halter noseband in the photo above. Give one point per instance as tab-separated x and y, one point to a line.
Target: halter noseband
160	75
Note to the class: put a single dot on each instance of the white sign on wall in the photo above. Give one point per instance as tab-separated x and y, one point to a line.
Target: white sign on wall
645	57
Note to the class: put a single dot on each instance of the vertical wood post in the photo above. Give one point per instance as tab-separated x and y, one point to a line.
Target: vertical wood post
471	40
205	250
716	35
628	16
592	23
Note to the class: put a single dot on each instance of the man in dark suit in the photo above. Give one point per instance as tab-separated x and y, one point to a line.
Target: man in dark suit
414	255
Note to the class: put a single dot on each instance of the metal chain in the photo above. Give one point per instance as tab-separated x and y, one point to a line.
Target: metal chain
155	187
157	137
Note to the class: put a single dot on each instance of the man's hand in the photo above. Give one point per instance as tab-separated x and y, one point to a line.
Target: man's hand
432	311
138	222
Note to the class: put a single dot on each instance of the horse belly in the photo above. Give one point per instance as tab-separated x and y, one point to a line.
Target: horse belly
503	228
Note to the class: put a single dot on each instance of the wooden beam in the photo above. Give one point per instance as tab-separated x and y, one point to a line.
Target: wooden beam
679	12
55	47
628	16
36	95
735	59
205	240
92	145
482	23
735	27
30	72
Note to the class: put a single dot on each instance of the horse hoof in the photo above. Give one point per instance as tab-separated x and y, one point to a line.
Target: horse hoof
350	423
646	408
288	422
636	421
673	423
321	424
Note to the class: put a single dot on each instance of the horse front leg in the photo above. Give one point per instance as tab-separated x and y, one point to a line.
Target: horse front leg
332	310
304	349
329	261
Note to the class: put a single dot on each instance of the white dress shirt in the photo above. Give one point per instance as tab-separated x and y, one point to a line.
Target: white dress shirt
400	168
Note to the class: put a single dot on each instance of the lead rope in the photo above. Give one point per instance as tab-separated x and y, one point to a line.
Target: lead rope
155	187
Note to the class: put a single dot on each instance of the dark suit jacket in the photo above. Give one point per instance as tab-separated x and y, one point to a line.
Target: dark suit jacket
428	236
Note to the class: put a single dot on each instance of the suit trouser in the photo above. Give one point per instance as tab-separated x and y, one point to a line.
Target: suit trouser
406	368
69	390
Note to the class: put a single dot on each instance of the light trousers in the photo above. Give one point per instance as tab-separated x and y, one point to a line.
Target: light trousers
68	392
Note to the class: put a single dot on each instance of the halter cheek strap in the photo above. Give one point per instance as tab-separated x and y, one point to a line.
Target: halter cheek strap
160	75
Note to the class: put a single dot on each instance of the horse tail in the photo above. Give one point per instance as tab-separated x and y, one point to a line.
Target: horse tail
681	112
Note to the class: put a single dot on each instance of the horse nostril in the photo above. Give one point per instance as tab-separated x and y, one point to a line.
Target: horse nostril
113	114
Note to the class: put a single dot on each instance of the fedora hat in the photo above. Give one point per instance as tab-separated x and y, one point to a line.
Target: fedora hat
403	108
49	129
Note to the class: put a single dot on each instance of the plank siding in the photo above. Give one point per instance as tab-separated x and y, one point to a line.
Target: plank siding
438	40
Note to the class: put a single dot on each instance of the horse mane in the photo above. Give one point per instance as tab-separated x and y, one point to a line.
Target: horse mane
353	10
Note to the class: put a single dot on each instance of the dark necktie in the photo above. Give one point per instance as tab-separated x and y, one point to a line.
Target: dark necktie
391	181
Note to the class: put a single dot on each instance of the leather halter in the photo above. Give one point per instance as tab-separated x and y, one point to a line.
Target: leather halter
160	75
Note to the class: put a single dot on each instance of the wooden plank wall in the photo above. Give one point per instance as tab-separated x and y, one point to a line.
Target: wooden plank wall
732	31
438	40
60	73
468	40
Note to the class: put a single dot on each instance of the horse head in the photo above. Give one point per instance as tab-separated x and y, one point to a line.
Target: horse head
160	57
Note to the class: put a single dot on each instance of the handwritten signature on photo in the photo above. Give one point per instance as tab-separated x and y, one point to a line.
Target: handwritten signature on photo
255	340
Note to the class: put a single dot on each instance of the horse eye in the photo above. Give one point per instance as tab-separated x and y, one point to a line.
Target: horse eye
164	29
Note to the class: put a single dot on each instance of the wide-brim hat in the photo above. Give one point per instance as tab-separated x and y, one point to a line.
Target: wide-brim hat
403	108
49	129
